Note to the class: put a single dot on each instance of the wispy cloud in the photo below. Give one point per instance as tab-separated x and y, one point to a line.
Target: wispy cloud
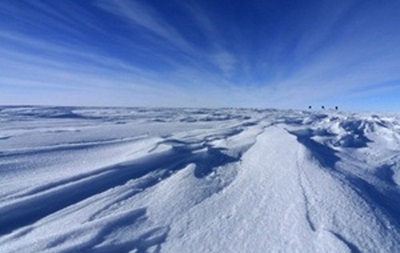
142	15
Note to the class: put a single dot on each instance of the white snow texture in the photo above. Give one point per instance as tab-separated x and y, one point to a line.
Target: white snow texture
198	180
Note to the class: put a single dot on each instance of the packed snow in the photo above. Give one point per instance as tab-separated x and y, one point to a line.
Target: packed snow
198	180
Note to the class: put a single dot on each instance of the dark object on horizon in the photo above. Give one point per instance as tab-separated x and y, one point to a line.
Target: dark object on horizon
336	107
309	107
323	107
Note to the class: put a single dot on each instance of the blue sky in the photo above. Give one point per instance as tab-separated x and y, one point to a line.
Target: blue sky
210	53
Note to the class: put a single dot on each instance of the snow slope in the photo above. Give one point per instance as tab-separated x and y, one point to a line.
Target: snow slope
198	180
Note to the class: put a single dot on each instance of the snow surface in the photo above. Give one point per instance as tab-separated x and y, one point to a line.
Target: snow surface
198	180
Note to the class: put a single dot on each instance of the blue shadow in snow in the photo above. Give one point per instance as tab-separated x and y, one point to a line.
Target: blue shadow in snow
44	201
325	155
387	198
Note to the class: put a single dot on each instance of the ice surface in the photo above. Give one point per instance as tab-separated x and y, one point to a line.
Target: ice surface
198	180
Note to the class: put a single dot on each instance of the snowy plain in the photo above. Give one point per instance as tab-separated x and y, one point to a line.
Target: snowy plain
75	179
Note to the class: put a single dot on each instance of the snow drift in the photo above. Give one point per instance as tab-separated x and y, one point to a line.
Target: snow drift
198	180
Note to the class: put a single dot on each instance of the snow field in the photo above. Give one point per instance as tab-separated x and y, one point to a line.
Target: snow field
198	180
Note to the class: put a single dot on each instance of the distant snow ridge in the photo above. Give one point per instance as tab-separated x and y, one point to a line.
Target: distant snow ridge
79	179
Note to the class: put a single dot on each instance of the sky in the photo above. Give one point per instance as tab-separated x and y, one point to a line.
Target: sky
205	53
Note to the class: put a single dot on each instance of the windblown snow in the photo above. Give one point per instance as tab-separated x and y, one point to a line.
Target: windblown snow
198	180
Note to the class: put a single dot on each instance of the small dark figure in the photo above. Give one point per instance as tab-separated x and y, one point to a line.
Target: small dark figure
309	107
323	107
336	108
